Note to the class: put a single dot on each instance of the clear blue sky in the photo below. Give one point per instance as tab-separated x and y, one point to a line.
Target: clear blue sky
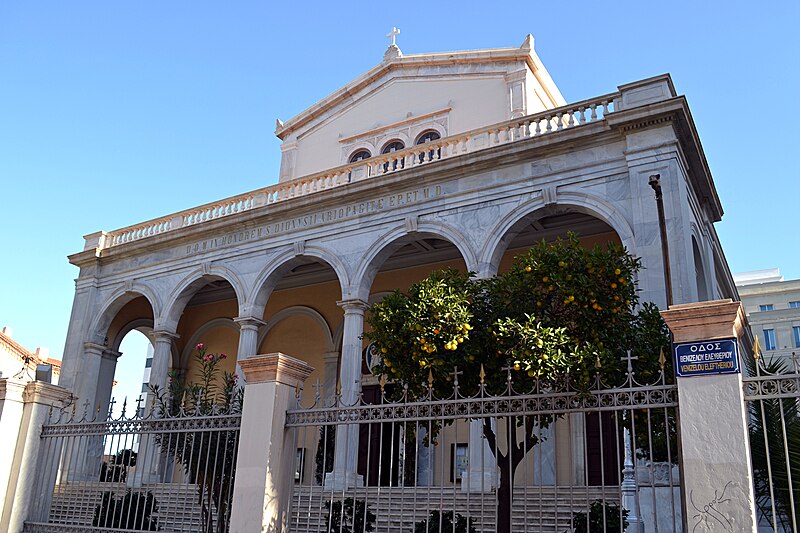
113	113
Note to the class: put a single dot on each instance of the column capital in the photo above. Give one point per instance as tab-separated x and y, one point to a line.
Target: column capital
111	355
354	306
277	367
162	335
718	319
94	348
249	322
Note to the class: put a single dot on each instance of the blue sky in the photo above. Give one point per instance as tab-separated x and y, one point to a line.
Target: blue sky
113	113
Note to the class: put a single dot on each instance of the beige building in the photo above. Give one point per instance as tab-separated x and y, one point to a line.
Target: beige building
772	305
17	361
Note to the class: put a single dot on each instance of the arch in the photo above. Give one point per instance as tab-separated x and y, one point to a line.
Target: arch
192	283
393	145
428	134
102	321
298	310
395	239
359	154
144	325
502	233
197	336
279	265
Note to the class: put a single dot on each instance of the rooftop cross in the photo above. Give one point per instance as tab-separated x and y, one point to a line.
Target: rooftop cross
393	35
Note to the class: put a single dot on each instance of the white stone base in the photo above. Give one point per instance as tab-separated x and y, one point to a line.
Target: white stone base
338	480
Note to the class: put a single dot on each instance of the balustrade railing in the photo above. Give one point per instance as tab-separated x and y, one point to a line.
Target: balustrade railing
546	122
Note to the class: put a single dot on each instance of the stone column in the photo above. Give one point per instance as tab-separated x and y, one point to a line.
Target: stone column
345	463
265	460
248	340
20	498
330	377
149	460
11	407
714	441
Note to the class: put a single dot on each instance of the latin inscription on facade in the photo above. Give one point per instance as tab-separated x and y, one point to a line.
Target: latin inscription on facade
320	218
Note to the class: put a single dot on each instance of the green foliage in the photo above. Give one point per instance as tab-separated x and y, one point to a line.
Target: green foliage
602	517
208	457
134	510
770	421
553	316
443	522
348	516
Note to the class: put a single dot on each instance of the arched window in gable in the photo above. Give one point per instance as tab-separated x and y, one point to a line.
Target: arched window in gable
393	146
426	137
360	155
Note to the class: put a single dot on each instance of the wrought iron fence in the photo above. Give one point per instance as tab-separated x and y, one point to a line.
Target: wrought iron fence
772	398
153	472
546	460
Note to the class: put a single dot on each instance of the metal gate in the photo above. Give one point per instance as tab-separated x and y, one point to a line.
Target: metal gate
546	460
138	472
772	399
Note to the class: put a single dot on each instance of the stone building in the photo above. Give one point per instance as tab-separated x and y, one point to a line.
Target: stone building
772	305
425	161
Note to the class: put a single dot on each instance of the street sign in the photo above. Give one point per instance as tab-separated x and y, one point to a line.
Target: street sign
719	356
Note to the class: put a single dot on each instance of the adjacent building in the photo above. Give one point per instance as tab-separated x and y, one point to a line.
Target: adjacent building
18	362
772	305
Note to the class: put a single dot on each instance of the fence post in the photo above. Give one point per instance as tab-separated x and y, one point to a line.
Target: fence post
37	398
265	457
714	443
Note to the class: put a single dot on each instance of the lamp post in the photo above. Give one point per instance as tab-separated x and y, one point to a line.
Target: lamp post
655	183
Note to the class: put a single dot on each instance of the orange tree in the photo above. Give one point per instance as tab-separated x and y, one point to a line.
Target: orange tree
558	313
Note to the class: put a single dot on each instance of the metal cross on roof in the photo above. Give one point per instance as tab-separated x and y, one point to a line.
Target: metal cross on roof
393	35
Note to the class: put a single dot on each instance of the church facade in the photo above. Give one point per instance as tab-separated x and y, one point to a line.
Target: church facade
426	161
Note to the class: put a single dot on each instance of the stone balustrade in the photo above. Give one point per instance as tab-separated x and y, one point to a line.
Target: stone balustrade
543	123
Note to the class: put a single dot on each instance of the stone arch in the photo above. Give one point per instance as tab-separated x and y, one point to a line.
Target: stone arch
187	288
144	325
200	332
98	329
396	238
298	310
279	265
501	235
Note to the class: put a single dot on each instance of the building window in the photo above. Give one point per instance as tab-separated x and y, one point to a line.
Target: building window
769	339
767	307
148	363
460	461
393	146
796	334
360	156
794	305
427	137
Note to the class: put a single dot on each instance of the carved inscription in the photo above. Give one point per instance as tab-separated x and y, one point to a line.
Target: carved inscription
320	218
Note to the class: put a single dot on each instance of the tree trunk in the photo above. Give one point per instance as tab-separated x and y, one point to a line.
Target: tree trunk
504	497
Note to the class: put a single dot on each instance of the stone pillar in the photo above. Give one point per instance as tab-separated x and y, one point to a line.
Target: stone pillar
37	399
11	408
482	475
329	377
265	461
714	441
345	462
149	460
248	340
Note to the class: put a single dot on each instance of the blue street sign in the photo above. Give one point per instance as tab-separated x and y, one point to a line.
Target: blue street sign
718	356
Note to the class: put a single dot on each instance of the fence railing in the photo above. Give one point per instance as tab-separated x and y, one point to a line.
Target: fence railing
143	473
548	460
772	398
538	124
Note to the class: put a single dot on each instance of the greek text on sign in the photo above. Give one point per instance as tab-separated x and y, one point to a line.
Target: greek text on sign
706	357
